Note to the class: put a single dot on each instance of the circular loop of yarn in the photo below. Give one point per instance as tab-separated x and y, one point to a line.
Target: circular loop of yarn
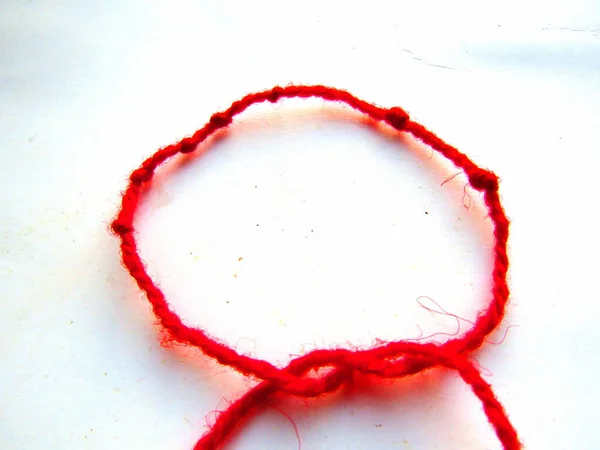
389	360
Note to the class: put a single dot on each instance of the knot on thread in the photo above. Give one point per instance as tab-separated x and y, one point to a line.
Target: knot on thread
220	120
337	367
275	94
397	118
310	387
187	145
483	180
396	359
141	175
121	226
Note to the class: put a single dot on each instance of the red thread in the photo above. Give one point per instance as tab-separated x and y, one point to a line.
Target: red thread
389	360
288	417
440	311
458	319
451	177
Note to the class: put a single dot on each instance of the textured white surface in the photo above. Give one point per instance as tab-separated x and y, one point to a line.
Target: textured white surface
340	227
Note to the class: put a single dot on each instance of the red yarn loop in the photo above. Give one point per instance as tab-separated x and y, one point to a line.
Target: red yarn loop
395	359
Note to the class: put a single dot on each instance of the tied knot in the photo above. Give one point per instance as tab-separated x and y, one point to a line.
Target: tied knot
338	367
310	387
397	118
484	180
220	120
140	175
120	226
187	146
275	94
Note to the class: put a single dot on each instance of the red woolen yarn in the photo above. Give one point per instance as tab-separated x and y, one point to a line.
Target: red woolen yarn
391	360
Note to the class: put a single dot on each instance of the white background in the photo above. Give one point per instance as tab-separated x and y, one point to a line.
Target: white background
341	226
